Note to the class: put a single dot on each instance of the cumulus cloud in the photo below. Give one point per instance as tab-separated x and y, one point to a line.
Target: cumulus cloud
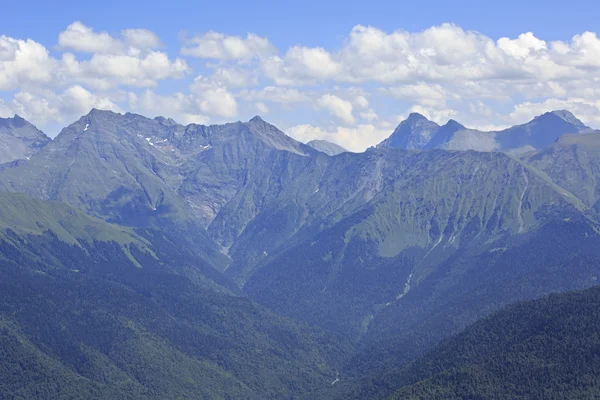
337	107
45	106
206	100
363	83
212	98
262	107
219	46
587	110
444	53
235	77
81	38
178	106
301	65
104	71
523	46
361	102
439	115
24	62
275	94
431	95
141	39
370	115
131	60
354	139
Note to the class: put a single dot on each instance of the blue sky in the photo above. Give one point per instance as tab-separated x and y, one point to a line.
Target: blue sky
347	71
309	22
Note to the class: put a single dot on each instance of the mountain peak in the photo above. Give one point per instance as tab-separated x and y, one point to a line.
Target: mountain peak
412	133
568	116
271	135
165	121
415	116
564	115
97	113
257	118
19	139
10	125
17	120
453	124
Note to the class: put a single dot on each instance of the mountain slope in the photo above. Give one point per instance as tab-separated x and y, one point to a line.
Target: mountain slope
156	173
388	220
541	131
413	133
23	215
393	249
573	162
331	149
229	183
19	139
106	318
545	348
108	165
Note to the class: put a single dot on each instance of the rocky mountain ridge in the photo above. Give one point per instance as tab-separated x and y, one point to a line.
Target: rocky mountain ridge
418	133
19	139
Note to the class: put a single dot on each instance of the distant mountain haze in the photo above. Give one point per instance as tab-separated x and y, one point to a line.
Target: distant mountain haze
19	139
417	132
331	149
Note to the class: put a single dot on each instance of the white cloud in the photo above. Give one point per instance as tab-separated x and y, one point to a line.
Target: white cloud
588	111
212	98
301	65
337	107
24	62
219	46
354	139
360	102
275	94
432	95
44	107
442	72
523	46
235	77
103	71
369	115
262	107
444	53
441	116
141	39
177	106
84	39
130	61
28	64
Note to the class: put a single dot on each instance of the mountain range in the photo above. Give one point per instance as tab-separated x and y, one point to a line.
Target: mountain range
346	266
418	133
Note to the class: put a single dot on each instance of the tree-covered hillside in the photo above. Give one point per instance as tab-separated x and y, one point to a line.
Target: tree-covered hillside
542	349
94	318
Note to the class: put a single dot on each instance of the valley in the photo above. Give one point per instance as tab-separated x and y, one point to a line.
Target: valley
272	268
